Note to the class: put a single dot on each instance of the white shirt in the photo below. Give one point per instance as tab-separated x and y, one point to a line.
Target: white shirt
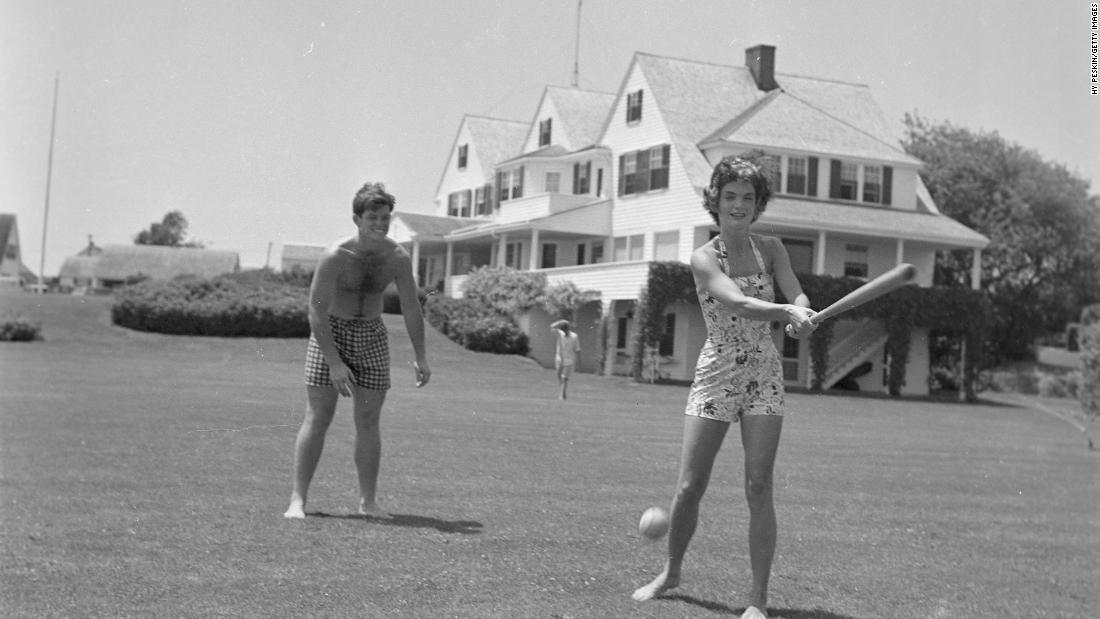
568	347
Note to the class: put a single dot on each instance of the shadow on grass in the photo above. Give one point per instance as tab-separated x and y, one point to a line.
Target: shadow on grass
466	527
776	613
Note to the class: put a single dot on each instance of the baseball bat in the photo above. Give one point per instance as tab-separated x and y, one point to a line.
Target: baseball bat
888	282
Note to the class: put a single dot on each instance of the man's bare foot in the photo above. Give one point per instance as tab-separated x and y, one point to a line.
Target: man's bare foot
297	509
371	510
660	584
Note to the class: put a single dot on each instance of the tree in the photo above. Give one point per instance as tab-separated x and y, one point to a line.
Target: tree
171	231
1042	265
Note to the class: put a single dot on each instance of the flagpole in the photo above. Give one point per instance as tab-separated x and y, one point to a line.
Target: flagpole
49	173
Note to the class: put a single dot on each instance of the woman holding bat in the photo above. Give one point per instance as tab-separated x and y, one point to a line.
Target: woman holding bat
738	377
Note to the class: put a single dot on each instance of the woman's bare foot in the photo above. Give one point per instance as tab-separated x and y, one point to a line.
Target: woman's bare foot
664	582
371	510
297	509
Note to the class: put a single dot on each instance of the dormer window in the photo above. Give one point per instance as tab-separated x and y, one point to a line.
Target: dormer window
544	132
869	184
634	107
462	150
872	183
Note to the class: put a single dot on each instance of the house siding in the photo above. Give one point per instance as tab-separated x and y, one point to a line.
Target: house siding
473	176
547	109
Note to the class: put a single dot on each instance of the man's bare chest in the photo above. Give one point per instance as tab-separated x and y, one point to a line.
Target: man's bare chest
365	272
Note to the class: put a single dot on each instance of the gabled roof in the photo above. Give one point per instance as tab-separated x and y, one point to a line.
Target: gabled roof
869	220
79	267
27	275
694	99
781	120
119	262
7	222
702	101
495	140
547	151
433	227
582	113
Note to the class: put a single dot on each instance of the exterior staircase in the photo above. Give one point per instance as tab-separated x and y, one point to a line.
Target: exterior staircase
857	346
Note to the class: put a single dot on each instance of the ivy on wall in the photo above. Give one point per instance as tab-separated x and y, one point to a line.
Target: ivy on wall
962	312
667	283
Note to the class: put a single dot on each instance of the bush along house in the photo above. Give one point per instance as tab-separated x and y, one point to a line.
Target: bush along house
603	190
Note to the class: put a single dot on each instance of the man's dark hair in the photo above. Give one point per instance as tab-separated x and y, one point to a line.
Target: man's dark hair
372	196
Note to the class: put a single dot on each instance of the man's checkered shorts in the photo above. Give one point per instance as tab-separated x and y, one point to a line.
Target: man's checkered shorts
363	345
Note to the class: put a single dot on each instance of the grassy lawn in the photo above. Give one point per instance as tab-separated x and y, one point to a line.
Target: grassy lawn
146	475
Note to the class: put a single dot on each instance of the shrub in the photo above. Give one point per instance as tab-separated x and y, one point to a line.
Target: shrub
561	300
224	306
491	333
1088	336
505	290
1014	381
1059	385
475	326
19	329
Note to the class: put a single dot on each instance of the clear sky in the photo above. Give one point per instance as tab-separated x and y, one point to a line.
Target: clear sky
258	119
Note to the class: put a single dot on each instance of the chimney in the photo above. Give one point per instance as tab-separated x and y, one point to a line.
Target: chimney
761	63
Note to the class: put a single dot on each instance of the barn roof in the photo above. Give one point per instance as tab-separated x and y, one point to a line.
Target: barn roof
120	262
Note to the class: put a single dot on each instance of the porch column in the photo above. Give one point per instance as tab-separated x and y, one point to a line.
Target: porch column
416	262
607	319
533	263
502	250
449	262
976	270
900	252
819	257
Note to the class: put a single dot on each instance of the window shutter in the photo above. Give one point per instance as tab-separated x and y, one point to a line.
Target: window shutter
502	188
660	177
641	178
887	183
638	116
811	177
576	178
834	178
469	203
519	185
622	174
588	176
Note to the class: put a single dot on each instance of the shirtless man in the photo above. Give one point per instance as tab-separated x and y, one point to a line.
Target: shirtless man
348	353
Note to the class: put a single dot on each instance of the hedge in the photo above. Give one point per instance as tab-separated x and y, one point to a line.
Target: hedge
223	306
475	326
1089	340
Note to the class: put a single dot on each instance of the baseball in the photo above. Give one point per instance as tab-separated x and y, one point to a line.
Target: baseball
654	523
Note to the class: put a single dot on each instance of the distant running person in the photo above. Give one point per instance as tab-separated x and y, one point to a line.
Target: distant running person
348	352
565	353
738	377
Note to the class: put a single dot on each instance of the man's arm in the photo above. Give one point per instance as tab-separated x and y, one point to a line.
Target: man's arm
321	293
414	318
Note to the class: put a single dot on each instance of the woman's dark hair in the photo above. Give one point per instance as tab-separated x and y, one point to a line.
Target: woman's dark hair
752	168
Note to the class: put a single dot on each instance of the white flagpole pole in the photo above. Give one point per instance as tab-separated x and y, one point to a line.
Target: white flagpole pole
49	173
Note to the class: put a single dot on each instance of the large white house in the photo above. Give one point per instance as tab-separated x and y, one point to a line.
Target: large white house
598	185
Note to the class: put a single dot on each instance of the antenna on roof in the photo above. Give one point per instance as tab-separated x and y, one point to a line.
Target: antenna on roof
577	47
